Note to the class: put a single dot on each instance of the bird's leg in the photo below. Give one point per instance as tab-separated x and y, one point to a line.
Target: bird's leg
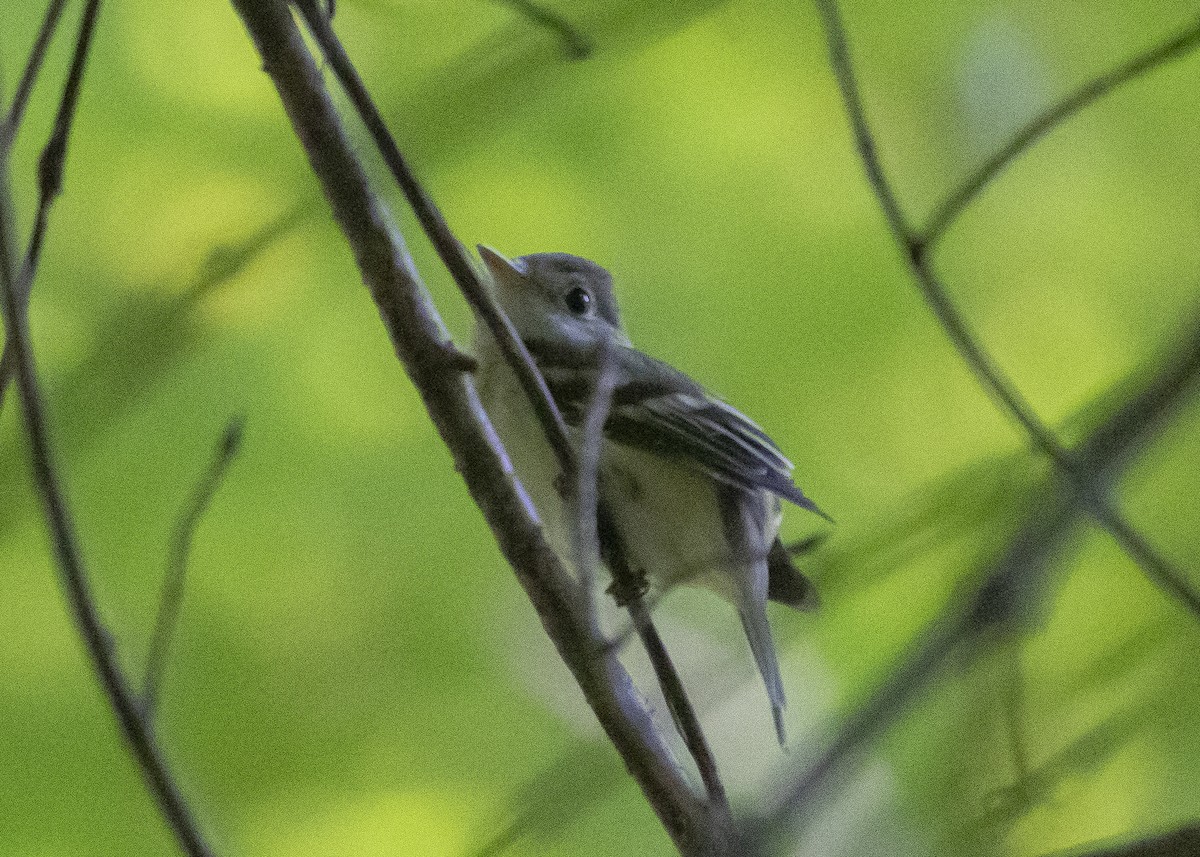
627	585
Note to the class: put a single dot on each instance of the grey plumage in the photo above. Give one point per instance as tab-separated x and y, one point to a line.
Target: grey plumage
694	486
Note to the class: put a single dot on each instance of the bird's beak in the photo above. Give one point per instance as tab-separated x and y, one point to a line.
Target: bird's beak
504	271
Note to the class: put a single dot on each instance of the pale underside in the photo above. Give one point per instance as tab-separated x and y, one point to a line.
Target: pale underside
668	515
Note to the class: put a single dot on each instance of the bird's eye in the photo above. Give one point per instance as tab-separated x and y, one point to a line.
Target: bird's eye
578	300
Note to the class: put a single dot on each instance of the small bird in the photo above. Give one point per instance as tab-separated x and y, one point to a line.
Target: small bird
693	486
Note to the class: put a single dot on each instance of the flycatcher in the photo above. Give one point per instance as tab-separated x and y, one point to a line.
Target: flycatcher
692	485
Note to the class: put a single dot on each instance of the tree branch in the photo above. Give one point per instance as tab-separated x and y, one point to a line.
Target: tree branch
1012	586
52	162
1184	842
171	599
965	341
33	65
575	44
448	248
533	384
420	342
74	574
948	211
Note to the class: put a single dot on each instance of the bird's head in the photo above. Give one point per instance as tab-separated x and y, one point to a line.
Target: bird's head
556	297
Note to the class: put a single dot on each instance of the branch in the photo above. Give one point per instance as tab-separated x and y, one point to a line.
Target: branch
448	248
1039	785
74	575
951	208
966	343
587	489
1012	586
33	65
517	356
417	334
683	713
575	44
51	164
1184	842
171	599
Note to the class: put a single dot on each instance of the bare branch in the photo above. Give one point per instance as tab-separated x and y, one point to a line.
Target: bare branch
1041	536
1038	785
419	339
683	713
955	326
629	590
171	599
521	362
50	170
1184	842
970	348
74	574
575	44
587	493
952	207
449	249
1013	586
33	65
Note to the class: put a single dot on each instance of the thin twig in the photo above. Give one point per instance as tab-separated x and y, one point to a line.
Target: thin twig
16	112
629	590
1184	842
515	353
52	162
448	248
948	211
171	598
1107	450
968	345
1041	536
96	637
1012	704
51	165
575	44
964	340
419	340
1014	584
1040	784
587	491
683	713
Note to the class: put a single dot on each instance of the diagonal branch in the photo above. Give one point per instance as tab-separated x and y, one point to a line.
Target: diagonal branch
947	212
76	584
1184	842
448	248
51	165
576	45
968	345
454	257
33	65
683	713
1010	588
171	598
417	334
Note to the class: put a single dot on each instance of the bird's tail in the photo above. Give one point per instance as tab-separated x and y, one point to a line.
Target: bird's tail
758	632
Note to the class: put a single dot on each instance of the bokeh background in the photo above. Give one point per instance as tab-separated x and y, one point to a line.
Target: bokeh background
357	671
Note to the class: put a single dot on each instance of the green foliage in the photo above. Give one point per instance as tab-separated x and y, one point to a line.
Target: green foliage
354	672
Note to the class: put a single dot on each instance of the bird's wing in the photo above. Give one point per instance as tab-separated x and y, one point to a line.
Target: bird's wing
657	408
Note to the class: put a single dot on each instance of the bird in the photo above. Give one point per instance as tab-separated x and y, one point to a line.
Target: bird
693	486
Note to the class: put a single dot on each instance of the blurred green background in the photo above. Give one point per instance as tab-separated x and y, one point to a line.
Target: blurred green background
357	671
